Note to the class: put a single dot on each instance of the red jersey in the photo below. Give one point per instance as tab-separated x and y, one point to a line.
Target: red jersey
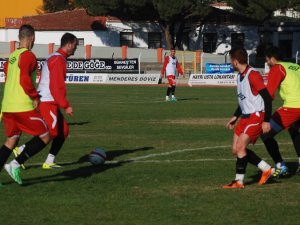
255	80
175	65
276	75
52	85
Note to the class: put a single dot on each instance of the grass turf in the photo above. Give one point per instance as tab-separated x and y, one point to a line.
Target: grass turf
166	165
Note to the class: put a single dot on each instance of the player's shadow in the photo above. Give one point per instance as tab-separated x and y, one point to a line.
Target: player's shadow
78	123
187	99
86	171
111	155
81	172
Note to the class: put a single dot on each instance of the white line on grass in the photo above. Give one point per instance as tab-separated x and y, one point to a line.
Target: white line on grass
140	159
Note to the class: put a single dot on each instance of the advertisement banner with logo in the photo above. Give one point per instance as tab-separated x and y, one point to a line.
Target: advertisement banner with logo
213	79
223	68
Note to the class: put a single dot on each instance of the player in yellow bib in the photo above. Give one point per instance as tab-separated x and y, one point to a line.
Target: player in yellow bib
20	99
285	77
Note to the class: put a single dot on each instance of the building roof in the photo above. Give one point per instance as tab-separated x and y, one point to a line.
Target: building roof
77	19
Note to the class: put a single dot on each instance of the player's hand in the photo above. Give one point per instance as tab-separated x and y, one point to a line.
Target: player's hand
266	127
231	122
69	111
36	103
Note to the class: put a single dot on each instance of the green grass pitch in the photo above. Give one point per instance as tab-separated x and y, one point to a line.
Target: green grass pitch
166	165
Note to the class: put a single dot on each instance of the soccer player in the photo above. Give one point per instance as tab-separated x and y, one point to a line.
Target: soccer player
20	99
52	91
255	108
284	76
170	66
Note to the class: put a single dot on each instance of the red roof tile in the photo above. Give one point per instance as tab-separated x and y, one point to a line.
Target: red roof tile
77	19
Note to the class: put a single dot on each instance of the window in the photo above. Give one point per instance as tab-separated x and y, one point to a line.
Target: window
237	40
209	42
126	38
81	41
154	40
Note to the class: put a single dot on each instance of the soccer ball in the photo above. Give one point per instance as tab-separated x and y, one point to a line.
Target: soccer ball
97	156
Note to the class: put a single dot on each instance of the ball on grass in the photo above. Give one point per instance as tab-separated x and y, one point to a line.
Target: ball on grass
97	156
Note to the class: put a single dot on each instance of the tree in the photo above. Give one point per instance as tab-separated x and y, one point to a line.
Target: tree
57	5
262	10
172	15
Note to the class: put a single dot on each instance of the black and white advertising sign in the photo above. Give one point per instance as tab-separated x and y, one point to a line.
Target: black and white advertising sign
94	65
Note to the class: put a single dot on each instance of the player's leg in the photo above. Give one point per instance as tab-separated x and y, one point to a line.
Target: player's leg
59	134
168	93
277	125
31	123
173	92
295	136
238	148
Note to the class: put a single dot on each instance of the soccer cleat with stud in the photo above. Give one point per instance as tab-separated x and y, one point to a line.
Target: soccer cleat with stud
17	152
281	171
50	166
14	173
265	176
234	185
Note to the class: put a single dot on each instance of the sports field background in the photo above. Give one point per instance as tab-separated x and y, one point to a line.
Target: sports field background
166	165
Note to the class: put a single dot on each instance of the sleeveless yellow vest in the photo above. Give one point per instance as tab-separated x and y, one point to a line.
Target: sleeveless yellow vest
290	86
14	97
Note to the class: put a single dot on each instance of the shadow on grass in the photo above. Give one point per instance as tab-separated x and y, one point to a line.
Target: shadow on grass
81	172
187	99
84	171
78	123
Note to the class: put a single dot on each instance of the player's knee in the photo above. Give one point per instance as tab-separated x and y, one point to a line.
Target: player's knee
46	138
11	142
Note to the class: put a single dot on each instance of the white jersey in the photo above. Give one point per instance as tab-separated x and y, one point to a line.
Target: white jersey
44	88
248	102
171	66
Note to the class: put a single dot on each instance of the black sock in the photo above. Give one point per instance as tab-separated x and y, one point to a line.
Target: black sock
32	147
57	143
273	149
4	155
169	91
295	135
173	90
241	164
253	158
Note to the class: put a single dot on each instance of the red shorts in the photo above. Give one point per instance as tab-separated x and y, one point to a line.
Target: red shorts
251	126
54	119
284	117
171	80
30	122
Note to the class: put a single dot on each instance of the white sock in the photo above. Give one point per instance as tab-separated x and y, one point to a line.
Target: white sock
278	165
14	164
240	178
50	159
263	166
21	148
173	96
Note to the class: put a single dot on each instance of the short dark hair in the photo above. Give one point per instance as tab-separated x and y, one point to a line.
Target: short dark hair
26	31
273	52
67	38
172	49
240	54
